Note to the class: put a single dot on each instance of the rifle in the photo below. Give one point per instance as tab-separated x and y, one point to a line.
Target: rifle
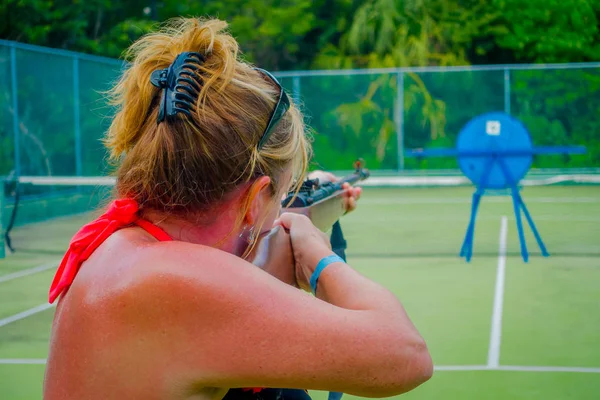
324	204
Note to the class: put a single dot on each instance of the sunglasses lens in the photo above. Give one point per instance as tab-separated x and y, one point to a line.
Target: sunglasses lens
283	104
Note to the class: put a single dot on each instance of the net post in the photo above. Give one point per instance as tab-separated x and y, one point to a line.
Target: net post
507	91
399	118
76	116
2	248
338	245
15	107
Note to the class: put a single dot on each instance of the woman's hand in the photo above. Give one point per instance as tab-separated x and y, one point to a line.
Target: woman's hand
273	254
309	245
351	193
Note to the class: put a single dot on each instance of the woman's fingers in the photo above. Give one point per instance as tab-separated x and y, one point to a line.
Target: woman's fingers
323	176
330	177
284	220
351	204
287	219
351	194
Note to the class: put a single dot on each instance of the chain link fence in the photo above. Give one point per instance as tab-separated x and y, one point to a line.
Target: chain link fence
53	111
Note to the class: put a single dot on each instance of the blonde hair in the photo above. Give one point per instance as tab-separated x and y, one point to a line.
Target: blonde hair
187	165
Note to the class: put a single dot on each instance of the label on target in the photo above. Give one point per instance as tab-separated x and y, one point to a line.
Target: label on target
492	128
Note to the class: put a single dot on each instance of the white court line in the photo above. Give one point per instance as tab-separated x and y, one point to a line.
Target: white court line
520	368
489	199
25	314
496	331
460	367
21	361
515	368
424	181
426	218
26	272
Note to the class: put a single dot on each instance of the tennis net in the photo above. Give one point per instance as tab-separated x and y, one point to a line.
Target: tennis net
61	204
32	200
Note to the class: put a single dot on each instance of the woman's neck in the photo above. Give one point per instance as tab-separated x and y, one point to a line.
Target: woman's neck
218	231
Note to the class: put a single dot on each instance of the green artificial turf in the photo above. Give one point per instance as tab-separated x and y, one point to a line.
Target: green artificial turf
409	239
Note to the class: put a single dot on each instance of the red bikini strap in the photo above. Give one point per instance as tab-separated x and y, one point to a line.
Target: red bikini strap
154	230
120	214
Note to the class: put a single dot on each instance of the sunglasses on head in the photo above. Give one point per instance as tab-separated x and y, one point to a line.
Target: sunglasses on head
283	104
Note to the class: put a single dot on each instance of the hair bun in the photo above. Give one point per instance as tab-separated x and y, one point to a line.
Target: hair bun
187	164
209	38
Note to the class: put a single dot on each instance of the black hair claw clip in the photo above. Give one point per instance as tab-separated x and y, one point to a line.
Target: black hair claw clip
181	85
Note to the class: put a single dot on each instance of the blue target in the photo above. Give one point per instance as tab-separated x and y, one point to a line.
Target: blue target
495	151
489	136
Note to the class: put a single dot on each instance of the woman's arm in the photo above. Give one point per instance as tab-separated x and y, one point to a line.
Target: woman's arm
223	322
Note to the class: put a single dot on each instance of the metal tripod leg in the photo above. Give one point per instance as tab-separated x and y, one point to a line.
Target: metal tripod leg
467	246
538	238
516	205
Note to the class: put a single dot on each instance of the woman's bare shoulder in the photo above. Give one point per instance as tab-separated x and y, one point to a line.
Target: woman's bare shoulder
182	260
128	272
178	269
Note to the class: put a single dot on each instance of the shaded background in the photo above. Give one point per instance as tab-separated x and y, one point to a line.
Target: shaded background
53	112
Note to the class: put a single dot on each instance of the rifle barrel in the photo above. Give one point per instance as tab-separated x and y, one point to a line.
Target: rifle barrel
324	191
325	203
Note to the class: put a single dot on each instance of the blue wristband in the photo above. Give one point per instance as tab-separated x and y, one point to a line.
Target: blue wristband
325	261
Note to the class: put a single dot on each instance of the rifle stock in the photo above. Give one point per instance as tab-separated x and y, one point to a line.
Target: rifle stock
323	204
323	213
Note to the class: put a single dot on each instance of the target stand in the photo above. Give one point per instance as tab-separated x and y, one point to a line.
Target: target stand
495	151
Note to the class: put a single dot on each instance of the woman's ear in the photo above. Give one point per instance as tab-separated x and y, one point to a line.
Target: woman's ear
259	198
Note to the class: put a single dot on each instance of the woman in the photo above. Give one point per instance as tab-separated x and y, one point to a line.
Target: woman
164	304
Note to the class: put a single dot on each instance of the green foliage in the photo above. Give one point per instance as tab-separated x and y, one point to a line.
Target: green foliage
356	116
398	33
549	30
360	126
560	107
392	33
298	34
49	23
368	126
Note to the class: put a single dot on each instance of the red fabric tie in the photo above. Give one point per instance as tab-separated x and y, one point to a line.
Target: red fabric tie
121	213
